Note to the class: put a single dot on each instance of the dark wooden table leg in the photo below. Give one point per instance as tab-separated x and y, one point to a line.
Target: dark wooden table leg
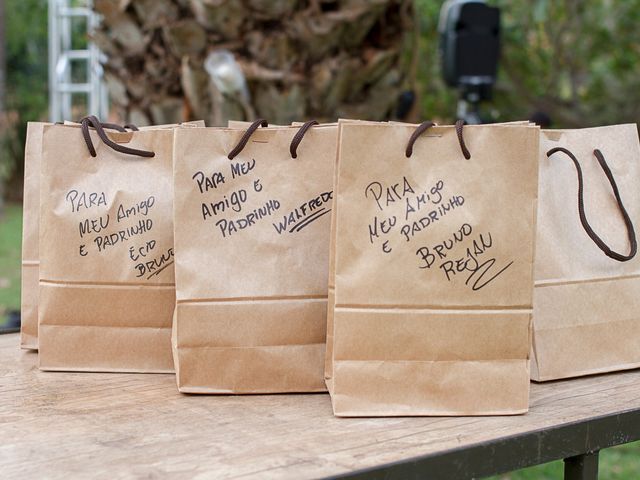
581	467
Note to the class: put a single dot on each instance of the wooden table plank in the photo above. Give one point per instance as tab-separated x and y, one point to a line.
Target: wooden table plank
109	425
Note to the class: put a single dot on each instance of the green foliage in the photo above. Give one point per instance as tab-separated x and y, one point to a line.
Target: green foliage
26	95
621	463
618	463
577	61
438	101
10	254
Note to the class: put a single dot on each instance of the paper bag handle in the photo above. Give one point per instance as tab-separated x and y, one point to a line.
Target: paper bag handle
297	138
463	146
245	138
424	126
113	126
583	218
420	129
95	123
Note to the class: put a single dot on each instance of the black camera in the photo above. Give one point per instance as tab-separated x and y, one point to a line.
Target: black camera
469	48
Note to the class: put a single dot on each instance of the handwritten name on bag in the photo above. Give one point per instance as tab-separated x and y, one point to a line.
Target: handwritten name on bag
102	228
407	210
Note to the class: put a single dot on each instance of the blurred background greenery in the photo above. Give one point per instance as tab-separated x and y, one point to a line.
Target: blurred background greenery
25	96
577	61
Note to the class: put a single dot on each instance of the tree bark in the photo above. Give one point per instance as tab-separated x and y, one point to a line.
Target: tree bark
301	59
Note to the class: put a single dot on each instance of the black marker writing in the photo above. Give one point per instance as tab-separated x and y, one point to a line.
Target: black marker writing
135	253
384	196
239	169
80	200
104	241
410	229
302	214
205	183
419	201
141	208
229	227
480	274
155	265
381	227
233	202
439	252
95	225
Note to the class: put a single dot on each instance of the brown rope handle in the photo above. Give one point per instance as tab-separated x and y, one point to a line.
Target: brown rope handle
583	218
297	138
245	138
95	123
87	136
132	127
420	129
465	151
424	126
113	126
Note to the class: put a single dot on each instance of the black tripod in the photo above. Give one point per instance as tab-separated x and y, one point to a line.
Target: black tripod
473	91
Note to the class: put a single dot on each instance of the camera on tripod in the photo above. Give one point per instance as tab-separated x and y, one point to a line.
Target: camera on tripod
469	48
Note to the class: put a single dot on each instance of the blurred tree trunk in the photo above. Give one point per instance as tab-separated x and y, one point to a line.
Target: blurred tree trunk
301	59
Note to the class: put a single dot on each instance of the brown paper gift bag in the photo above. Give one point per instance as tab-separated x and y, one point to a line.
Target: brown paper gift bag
30	217
587	276
433	269
106	291
252	244
331	289
30	258
331	293
328	368
30	222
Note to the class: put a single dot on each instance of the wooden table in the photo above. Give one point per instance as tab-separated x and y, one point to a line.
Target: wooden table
89	425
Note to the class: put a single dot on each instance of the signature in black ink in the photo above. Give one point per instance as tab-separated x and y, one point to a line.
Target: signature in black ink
483	270
156	265
157	272
311	218
304	214
481	273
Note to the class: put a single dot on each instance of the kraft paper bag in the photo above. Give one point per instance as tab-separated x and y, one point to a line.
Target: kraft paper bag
30	258
331	294
106	280
244	124
331	289
587	296
252	246
434	245
30	217
30	222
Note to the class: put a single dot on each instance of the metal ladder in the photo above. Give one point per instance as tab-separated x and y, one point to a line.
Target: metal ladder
62	88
